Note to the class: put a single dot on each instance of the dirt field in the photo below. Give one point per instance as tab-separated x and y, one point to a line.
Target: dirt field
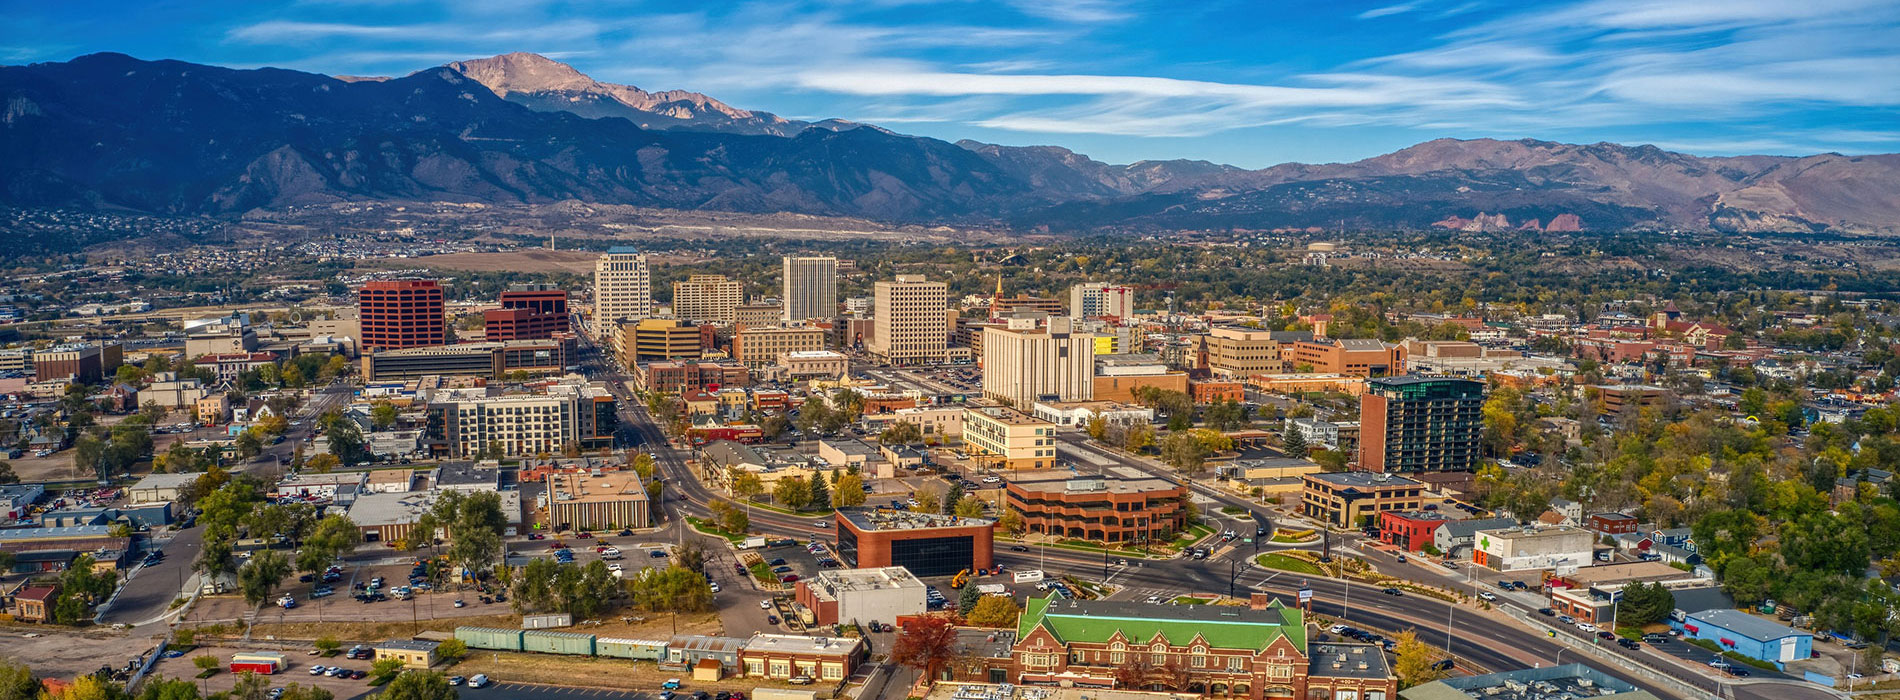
49	650
577	262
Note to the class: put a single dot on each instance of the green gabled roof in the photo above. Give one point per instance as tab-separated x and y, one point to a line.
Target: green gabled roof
1097	622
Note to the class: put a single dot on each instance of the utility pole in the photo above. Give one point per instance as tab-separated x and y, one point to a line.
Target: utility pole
1233	573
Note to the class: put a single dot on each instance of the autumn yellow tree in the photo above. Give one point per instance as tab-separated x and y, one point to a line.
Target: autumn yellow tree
1416	660
994	611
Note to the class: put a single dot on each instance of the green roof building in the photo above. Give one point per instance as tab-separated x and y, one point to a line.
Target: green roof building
1256	652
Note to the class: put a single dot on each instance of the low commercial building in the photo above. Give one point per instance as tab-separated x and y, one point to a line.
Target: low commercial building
806	364
1410	531
1355	499
1118	377
843	452
161	488
1611	523
1349	672
1587	594
1620	397
313	485
413	653
1526	548
1100	508
1005	438
597	501
1363	357
851	596
33	603
1458	536
1074	413
926	544
1566	681
1748	635
826	660
938	423
1307	383
683	376
389	517
488	360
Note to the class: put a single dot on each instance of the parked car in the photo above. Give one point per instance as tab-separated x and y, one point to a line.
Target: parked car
1586	627
479	681
1547	612
670	684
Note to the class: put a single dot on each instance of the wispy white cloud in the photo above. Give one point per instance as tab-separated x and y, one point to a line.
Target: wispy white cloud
1076	11
1388	10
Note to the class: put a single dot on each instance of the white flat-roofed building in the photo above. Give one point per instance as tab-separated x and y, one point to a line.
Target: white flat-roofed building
1079	412
863	595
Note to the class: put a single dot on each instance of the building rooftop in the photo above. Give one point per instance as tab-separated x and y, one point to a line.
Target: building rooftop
1065	481
1347	661
167	481
847	580
1610	574
1222	626
579	487
705	643
399	508
409	644
889	519
1746	625
793	644
467	473
28	534
1535	533
1548	683
1369	480
1005	414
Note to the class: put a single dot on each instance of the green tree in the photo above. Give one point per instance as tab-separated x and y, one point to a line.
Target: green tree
967	600
1644	603
267	569
1012	522
387	666
419	685
248	444
168	689
327	643
6	474
1330	460
969	506
951	498
736	521
850	491
452	650
1182	452
928	500
1294	442
382	416
994	611
17	682
1415	662
792	492
205	662
1096	426
820	493
250	686
345	439
901	432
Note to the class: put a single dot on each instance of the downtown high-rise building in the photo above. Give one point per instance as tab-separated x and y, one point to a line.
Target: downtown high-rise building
623	289
397	314
1025	362
1421	424
1098	299
911	320
708	298
811	288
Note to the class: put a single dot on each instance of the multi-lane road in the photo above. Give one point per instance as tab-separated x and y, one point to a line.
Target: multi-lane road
1488	640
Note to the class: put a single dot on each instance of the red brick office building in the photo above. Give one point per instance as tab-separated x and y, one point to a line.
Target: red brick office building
528	312
927	544
1100	508
397	314
1410	531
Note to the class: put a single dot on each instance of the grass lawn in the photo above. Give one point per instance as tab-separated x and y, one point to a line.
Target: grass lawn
763	573
1190	600
1196	533
1286	563
708	528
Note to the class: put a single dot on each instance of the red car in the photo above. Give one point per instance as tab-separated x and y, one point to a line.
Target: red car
585	536
788	578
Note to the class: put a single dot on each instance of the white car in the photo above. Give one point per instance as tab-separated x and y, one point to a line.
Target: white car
765	605
1154	599
1487	595
1586	627
1336	629
821	523
613	566
714	585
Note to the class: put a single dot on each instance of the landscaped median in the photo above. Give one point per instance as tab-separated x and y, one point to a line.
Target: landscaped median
706	527
1283	562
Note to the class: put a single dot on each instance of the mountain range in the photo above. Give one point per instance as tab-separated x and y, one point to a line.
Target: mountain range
112	131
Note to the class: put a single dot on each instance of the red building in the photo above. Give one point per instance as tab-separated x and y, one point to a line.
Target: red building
397	314
537	298
1409	531
1211	391
927	544
1611	523
528	312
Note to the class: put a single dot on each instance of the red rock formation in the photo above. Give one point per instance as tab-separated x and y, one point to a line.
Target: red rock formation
1565	222
1532	225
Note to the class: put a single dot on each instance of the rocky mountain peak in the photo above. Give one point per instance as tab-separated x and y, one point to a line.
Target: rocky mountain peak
524	72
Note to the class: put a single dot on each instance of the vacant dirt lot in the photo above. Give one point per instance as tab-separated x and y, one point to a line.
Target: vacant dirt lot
49	651
577	262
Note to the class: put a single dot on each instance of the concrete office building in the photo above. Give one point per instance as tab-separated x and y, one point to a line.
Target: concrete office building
761	346
1099	299
397	314
766	314
565	415
623	289
1244	352
911	319
81	363
1000	437
1026	363
597	501
708	298
486	360
1420	424
651	339
863	595
810	287
1355	499
222	335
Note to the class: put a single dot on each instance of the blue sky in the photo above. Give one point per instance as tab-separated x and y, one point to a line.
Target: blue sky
1251	83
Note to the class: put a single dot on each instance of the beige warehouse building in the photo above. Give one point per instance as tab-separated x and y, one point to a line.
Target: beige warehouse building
597	501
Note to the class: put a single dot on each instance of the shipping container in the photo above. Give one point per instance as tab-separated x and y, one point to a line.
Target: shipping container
261	662
636	649
570	643
549	621
489	638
